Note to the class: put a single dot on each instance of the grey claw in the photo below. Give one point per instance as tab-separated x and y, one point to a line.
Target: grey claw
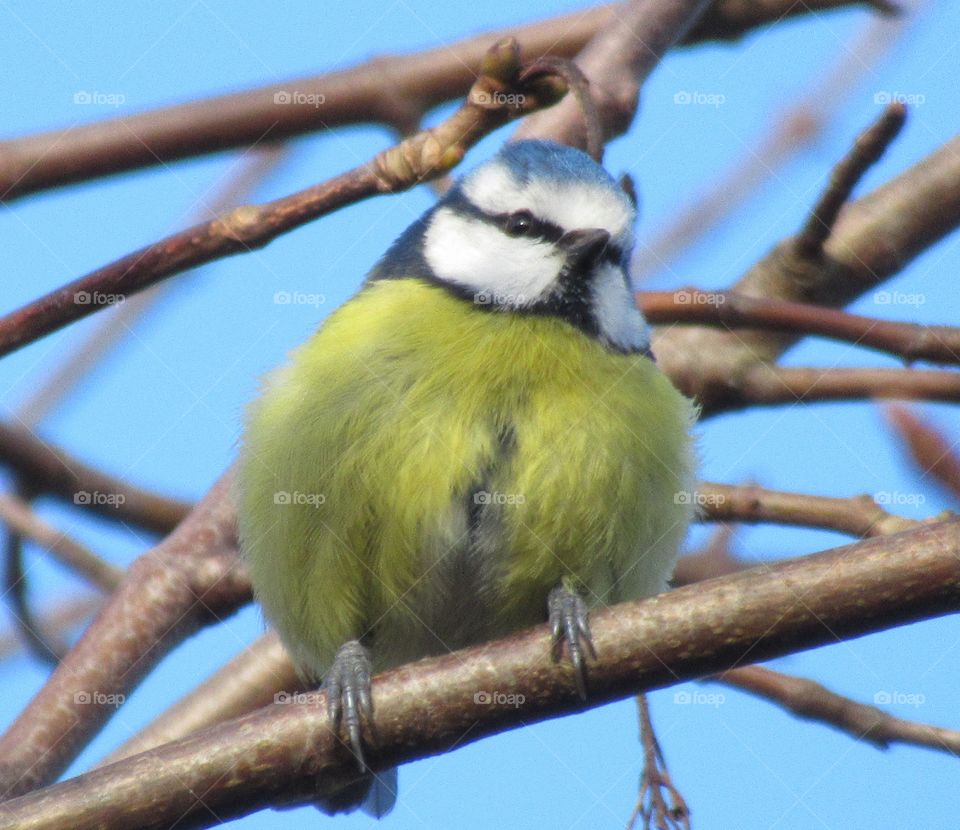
349	704
570	623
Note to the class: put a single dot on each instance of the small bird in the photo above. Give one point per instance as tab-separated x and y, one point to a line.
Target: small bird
478	441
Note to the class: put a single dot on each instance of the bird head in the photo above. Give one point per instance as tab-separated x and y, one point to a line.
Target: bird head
539	229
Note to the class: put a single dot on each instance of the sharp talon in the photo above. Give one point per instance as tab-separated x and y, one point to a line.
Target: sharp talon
349	703
569	622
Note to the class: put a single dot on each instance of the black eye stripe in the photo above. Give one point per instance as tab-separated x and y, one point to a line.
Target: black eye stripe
547	231
539	228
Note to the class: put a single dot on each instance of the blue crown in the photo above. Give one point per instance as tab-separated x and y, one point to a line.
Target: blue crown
547	160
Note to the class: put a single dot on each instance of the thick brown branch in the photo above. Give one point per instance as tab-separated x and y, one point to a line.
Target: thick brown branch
394	90
730	20
191	578
47	469
874	238
288	753
616	62
499	94
254	678
909	341
809	700
264	669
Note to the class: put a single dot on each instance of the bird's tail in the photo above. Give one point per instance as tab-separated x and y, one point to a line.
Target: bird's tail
375	794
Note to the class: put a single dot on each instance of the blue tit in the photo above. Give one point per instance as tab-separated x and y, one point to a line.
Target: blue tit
478	441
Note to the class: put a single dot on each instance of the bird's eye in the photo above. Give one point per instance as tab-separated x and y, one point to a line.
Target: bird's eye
520	223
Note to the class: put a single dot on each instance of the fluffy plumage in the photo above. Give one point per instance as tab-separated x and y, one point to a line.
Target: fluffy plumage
432	463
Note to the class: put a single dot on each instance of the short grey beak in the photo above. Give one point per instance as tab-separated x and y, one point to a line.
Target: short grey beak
583	247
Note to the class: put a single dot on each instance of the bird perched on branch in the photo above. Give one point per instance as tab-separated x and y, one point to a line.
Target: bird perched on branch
478	441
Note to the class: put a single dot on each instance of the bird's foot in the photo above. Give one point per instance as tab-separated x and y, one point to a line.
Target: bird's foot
349	703
570	622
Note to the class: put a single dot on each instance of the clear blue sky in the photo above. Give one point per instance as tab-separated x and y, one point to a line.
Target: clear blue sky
165	409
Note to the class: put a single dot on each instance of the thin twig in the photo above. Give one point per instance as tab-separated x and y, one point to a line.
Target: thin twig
59	620
929	448
715	558
48	469
46	646
810	700
659	802
858	516
81	358
773	385
866	151
497	96
732	310
18	515
616	62
789	133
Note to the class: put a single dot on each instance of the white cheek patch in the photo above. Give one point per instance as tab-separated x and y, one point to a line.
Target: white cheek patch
570	205
498	269
617	316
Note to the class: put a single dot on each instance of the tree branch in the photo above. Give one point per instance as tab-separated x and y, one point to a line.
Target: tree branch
873	239
732	310
788	133
48	469
858	516
505	90
810	700
929	448
616	62
764	385
288	754
393	90
19	517
866	151
191	578
250	680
